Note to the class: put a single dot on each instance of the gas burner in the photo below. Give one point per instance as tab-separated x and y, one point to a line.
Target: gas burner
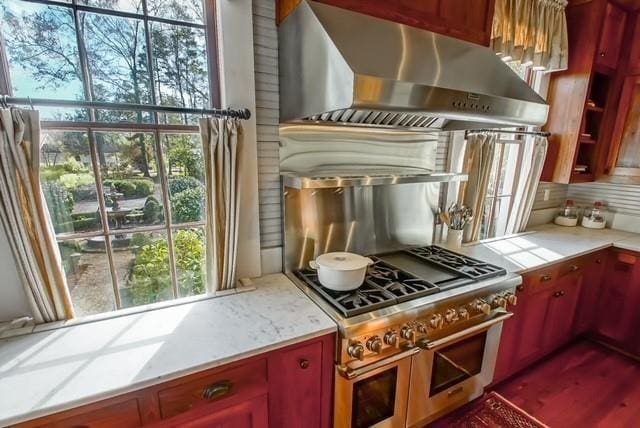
384	285
457	263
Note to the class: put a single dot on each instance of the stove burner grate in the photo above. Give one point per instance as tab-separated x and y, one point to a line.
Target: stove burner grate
457	263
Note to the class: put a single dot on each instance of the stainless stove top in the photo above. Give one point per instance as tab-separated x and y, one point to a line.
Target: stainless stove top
404	275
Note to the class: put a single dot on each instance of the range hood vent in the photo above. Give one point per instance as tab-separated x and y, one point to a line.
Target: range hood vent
343	67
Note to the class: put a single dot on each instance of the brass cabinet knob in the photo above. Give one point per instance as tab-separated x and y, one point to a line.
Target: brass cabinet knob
304	363
217	390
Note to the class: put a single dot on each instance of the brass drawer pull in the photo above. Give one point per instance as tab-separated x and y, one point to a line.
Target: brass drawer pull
304	364
546	277
217	390
558	294
574	268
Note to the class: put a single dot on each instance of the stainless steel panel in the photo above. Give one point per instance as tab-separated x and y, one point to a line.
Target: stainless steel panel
403	75
301	182
364	220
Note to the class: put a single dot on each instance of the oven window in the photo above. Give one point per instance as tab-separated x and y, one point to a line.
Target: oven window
456	363
374	399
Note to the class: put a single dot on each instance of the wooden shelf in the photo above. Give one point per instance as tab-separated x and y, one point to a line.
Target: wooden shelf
584	140
595	109
577	177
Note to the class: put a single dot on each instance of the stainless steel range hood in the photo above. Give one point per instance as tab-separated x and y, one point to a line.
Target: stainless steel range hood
343	67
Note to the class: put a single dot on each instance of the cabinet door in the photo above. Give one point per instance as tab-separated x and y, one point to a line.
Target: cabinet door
611	38
626	137
616	308
247	414
534	311
295	385
469	19
561	310
590	293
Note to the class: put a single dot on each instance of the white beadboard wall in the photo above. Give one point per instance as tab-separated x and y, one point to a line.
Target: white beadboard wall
557	195
618	198
265	39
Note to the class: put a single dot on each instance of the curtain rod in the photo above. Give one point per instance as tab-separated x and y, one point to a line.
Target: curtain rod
499	131
234	113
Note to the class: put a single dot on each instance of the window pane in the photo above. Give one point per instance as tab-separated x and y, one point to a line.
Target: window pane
131	184
63	114
508	169
116	51
493	176
42	50
180	10
180	67
86	267
134	6
189	245
185	163
500	217
68	182
144	269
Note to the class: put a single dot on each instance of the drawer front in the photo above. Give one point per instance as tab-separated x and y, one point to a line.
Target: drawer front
539	279
574	267
122	415
247	379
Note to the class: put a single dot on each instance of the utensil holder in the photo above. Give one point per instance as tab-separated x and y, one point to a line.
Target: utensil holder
454	238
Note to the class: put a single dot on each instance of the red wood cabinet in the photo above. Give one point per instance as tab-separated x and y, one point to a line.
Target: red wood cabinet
611	38
561	310
618	318
590	293
290	387
634	56
468	20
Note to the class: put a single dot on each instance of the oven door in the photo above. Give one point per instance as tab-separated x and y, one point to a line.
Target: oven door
374	395
454	370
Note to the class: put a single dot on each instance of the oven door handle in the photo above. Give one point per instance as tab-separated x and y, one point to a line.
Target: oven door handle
431	345
349	373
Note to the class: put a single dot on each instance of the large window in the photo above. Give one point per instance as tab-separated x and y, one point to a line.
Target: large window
124	188
505	171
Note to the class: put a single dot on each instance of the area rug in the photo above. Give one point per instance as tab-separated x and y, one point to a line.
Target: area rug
491	411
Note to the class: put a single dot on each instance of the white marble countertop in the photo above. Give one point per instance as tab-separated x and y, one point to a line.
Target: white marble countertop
50	371
548	244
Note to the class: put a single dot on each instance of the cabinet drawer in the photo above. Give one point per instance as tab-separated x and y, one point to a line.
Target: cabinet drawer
574	266
539	279
247	379
122	415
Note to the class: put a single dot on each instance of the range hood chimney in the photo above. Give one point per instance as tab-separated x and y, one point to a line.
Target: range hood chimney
343	67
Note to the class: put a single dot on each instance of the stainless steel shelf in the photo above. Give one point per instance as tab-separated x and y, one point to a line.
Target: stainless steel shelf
305	182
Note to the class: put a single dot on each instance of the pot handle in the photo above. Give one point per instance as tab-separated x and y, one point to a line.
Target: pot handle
313	265
369	261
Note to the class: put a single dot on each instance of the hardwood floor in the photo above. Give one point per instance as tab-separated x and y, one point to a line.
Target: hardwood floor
584	385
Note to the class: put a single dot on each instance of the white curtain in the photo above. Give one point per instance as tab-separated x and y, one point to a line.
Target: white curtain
535	152
532	32
25	217
479	155
222	143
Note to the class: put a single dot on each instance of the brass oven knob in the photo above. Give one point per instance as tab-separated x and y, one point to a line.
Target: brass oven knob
463	314
436	321
499	302
421	328
356	350
451	316
391	338
407	333
374	344
482	306
512	299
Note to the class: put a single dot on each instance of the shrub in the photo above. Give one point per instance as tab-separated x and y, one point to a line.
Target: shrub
180	184
131	188
73	165
150	278
74	180
84	221
188	206
60	204
152	211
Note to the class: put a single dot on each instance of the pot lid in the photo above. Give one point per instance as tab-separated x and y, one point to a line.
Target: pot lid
343	261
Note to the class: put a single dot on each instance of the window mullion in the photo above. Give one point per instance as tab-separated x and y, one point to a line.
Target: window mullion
5	77
211	35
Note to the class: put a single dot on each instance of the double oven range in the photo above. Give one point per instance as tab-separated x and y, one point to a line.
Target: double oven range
420	336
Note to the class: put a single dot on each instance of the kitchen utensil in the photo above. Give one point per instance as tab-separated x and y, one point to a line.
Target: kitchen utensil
341	271
457	216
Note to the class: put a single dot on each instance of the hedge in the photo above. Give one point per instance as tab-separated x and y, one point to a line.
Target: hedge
131	188
180	184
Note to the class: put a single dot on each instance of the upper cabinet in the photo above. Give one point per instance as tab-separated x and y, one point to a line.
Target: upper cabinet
625	153
468	20
584	98
611	39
